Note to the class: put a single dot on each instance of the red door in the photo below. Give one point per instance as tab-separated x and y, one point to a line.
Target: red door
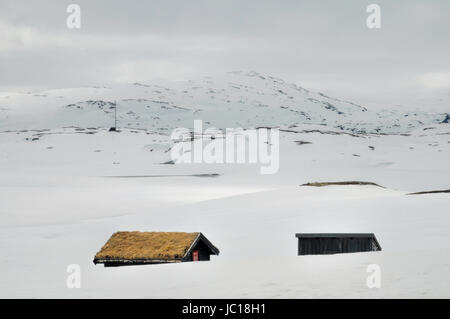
195	255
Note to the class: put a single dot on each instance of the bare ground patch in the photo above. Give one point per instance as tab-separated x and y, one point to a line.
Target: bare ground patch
430	192
321	184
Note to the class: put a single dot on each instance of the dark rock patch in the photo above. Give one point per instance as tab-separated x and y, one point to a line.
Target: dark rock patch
321	184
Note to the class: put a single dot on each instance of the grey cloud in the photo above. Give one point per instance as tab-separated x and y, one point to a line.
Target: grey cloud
323	44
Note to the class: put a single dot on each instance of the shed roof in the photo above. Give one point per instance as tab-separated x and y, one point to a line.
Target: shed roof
137	245
333	235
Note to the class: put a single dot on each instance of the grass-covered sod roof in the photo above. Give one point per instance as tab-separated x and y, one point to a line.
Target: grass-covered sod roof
147	245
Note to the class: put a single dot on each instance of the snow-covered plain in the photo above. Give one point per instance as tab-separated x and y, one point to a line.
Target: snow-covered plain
67	184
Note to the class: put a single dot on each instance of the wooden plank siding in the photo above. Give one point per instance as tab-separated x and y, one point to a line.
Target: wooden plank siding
324	244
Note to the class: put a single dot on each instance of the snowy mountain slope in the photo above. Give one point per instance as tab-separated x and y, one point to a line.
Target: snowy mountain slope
61	199
236	99
67	183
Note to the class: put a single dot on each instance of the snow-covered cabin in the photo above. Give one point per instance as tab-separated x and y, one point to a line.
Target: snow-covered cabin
336	243
139	248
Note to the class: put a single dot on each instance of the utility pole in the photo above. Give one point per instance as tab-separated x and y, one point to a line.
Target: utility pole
114	128
115	114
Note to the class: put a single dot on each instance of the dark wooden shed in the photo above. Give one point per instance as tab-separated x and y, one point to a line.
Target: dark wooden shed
140	248
336	243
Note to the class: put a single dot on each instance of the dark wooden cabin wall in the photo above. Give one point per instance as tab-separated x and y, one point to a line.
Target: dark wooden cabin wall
318	246
203	251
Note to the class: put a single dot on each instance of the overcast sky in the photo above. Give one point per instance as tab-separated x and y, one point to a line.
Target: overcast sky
321	45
